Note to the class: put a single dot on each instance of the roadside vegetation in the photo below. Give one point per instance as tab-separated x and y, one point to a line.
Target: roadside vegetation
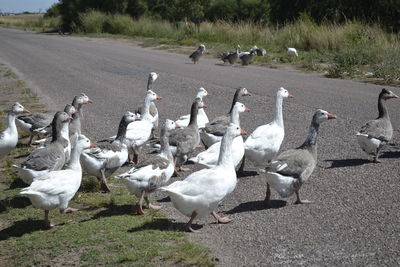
103	232
31	22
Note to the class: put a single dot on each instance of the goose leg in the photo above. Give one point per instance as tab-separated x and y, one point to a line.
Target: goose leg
30	140
104	187
267	200
188	226
46	220
299	201
69	210
133	158
376	156
151	206
138	207
220	219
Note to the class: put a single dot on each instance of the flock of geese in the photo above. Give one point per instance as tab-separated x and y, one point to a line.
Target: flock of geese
233	56
54	170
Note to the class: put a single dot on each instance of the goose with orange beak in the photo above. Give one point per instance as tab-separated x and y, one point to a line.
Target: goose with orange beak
292	168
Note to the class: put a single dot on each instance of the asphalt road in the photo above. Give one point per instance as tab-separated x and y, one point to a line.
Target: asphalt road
355	217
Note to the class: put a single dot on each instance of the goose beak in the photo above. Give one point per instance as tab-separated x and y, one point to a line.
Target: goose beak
138	118
93	145
177	126
204	106
290	95
208	94
70	118
26	111
393	95
242	132
158	97
246	109
247	94
331	116
89	101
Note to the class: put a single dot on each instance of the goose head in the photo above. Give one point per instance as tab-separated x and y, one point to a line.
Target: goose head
17	108
202	48
284	93
244	92
233	130
85	99
152	96
83	143
130	117
202	93
70	109
153	76
387	94
240	107
170	125
321	116
200	103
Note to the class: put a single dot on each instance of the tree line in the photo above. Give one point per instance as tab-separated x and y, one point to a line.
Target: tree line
269	12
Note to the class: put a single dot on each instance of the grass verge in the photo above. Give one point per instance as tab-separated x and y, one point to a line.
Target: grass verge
103	232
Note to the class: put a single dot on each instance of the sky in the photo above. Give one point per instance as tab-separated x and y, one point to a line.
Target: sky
18	6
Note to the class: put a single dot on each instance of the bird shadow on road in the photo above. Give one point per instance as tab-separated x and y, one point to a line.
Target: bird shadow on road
246	174
256	205
163	224
341	163
20	228
390	154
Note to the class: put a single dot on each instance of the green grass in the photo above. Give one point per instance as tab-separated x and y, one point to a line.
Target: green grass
34	22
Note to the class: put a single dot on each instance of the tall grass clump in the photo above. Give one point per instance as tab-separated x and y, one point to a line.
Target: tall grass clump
30	21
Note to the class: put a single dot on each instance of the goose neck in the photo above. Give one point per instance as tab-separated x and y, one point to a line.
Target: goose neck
235	116
64	132
312	136
146	107
278	110
383	113
164	142
225	153
121	133
74	163
193	115
11	121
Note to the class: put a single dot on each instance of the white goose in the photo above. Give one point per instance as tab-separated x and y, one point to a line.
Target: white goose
202	118
376	133
201	192
9	136
103	160
210	156
57	188
151	173
139	132
49	158
263	144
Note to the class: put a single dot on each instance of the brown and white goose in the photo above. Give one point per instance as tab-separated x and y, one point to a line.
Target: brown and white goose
49	158
9	136
231	57
183	141
105	159
215	129
153	172
376	133
195	56
30	123
291	169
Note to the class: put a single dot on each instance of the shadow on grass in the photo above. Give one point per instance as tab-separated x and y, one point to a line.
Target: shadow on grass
341	163
18	183
16	202
112	210
165	199
256	205
21	228
163	224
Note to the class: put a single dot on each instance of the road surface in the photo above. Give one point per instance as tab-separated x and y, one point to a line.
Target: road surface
355	217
